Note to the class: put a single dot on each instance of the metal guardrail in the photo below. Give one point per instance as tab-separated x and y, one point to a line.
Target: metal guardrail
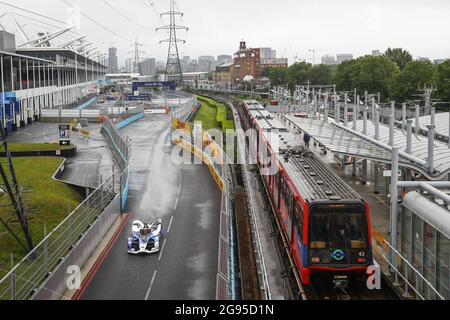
411	277
117	115
72	113
224	289
26	278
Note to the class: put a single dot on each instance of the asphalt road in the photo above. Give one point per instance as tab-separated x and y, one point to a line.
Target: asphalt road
188	200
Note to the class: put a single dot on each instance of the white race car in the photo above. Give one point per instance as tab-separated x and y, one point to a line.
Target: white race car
146	238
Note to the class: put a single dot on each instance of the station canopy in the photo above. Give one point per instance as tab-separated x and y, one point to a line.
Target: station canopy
341	141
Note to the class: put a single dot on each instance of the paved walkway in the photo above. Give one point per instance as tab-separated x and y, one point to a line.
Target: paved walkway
93	158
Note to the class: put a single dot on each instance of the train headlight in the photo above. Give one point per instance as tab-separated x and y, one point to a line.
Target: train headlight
361	260
315	260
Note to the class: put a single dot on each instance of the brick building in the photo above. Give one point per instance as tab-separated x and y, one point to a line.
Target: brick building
224	73
247	61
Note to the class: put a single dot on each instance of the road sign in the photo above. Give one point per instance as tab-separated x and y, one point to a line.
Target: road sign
64	135
388	173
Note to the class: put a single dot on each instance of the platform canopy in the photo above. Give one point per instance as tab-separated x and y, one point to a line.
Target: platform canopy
441	122
336	138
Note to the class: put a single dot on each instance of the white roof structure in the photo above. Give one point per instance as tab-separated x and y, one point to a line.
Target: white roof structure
337	139
442	124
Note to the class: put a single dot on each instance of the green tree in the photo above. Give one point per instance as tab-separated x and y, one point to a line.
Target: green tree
443	81
414	76
345	74
277	76
299	74
321	74
400	56
375	74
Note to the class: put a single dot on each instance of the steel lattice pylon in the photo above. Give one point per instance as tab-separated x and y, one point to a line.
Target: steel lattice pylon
137	62
173	57
12	197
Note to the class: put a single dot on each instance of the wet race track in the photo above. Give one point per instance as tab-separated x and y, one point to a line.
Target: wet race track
188	200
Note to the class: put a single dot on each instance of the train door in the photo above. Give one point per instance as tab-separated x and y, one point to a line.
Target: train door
297	232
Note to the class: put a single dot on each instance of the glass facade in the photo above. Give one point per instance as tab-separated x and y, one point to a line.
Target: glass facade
428	251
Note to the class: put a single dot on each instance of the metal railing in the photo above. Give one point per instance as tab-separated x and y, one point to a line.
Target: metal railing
26	278
119	146
224	289
412	278
117	115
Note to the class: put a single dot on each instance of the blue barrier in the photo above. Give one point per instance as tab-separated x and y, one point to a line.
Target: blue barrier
125	191
128	121
87	104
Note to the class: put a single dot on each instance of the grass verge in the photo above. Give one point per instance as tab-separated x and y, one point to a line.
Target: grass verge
49	201
214	115
28	147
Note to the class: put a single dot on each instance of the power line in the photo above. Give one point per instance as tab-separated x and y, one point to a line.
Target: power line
152	6
125	16
99	24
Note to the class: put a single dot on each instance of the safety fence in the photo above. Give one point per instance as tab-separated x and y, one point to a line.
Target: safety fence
182	108
120	147
28	278
408	279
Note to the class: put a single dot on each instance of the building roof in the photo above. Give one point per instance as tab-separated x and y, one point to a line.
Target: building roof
225	66
442	124
313	179
12	54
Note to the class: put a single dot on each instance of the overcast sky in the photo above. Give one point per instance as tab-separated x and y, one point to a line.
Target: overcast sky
292	27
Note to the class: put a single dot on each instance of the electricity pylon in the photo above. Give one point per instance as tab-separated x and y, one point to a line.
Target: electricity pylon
173	57
137	51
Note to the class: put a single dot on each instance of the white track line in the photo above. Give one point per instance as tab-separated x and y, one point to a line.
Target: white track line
170	224
151	286
162	250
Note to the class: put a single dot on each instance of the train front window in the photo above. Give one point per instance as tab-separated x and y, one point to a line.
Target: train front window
338	230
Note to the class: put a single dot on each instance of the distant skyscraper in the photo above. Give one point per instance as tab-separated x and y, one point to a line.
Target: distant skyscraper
329	60
129	65
266	53
224	59
148	67
343	57
205	63
113	61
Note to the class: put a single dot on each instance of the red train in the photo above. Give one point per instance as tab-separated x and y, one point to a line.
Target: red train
326	222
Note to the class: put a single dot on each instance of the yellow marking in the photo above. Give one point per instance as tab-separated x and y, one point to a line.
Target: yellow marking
378	236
